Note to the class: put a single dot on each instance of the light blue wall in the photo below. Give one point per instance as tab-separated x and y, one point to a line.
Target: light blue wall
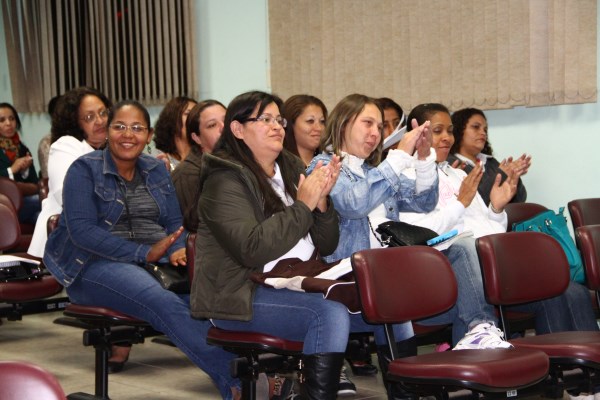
233	57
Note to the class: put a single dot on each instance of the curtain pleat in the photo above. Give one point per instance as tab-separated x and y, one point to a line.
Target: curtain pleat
481	53
128	49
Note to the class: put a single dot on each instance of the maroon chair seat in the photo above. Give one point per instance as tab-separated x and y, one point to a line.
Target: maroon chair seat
401	284
253	341
26	296
480	371
584	212
106	327
588	242
102	315
521	267
21	291
22	380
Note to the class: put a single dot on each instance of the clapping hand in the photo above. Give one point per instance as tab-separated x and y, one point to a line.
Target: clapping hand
501	194
469	185
418	138
313	190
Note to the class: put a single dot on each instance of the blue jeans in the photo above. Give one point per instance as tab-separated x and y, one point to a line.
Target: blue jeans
471	307
30	209
130	289
571	311
322	325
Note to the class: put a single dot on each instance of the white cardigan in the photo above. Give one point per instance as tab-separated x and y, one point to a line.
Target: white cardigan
62	154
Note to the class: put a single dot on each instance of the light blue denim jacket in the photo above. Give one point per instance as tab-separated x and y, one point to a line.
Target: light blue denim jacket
92	205
354	197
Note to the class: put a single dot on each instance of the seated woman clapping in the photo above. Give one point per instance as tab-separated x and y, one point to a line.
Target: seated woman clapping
120	211
255	209
461	207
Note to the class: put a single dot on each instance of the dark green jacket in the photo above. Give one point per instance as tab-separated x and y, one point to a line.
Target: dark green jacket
235	237
186	179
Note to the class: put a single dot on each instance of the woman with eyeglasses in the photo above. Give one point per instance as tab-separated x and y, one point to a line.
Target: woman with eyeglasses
121	211
78	127
16	163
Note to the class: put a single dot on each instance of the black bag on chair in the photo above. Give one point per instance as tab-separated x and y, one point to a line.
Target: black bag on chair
395	233
170	277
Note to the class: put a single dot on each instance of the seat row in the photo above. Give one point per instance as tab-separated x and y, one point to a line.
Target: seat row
429	278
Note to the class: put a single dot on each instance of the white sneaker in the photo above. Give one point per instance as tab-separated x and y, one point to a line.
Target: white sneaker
483	336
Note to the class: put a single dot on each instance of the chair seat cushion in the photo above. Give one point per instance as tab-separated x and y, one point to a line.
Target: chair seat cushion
579	345
491	370
29	290
91	313
252	341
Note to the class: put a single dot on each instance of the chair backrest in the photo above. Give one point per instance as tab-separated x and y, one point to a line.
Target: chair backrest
584	212
517	212
22	380
10	231
399	284
10	189
588	241
520	267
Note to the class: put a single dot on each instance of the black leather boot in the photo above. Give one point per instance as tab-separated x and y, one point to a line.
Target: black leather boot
321	374
406	348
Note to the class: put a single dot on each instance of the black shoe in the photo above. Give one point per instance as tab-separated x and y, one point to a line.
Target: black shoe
362	369
347	387
321	374
115	367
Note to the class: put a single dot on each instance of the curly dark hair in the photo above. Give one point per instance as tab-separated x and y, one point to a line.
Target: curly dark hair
65	118
168	125
460	119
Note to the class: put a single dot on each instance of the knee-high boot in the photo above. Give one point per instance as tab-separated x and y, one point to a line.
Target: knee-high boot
406	348
321	373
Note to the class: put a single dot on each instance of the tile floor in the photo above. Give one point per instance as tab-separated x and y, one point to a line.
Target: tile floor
154	371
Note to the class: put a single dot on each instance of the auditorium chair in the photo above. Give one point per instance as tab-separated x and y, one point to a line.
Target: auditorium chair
31	296
522	267
584	212
400	284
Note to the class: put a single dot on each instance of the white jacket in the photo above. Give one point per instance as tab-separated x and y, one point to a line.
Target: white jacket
451	214
62	154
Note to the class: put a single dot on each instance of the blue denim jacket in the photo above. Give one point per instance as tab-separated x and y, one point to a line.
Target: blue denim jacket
354	197
93	203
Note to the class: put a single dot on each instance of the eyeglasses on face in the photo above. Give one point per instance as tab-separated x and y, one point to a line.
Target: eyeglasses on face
269	120
122	128
91	117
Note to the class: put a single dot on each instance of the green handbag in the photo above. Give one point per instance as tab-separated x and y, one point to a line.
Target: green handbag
555	225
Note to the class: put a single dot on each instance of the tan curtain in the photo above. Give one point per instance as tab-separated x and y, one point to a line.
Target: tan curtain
481	53
128	49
